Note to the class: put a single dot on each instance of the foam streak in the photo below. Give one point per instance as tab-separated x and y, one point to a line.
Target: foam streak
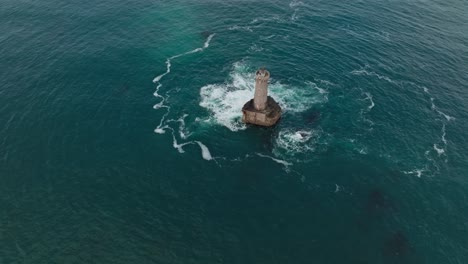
205	151
161	127
282	162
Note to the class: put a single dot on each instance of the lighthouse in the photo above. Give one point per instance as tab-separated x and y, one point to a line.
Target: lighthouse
262	110
261	89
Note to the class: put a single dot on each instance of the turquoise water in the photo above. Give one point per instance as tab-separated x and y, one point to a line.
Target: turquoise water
122	142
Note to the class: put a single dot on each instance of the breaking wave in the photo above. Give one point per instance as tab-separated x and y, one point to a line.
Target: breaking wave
224	101
292	142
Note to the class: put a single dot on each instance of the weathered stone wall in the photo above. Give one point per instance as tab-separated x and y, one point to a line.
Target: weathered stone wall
261	89
267	117
260	119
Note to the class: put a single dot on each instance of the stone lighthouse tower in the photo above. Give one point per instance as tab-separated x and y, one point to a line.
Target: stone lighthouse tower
261	89
262	110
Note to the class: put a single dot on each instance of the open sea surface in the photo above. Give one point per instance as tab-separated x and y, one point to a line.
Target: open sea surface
121	139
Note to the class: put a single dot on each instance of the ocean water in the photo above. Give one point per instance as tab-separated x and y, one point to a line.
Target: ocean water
121	139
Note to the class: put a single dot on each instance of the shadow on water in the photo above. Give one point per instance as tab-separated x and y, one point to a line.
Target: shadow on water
378	200
377	205
312	117
397	248
206	34
122	90
266	136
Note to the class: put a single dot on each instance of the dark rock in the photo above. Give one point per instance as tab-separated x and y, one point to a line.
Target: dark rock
267	117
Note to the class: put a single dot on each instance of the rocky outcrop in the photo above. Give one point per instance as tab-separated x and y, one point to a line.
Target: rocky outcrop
266	117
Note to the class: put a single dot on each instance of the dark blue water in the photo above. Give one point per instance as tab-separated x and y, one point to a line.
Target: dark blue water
121	139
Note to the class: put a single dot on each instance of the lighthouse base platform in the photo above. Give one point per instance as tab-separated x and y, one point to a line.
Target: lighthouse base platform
267	117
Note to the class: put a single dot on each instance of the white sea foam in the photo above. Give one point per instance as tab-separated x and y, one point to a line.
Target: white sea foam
371	73
437	110
224	101
205	151
180	146
161	128
256	48
315	86
439	151
325	82
296	141
242	28
363	151
271	18
294	16
433	107
177	146
369	97
282	162
208	40
267	37
183	132
337	188
443	134
447	117
417	172
225	104
168	61
294	5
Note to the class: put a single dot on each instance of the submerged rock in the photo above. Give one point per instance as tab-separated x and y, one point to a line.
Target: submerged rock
397	245
377	200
